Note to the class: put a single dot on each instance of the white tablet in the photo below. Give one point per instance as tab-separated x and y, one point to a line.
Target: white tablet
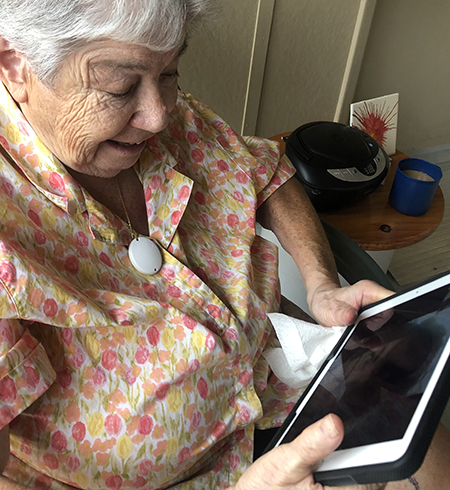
388	379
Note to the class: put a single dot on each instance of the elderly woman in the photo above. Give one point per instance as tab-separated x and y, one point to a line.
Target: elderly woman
134	292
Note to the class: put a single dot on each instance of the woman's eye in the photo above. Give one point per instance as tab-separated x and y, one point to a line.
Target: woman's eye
172	75
121	95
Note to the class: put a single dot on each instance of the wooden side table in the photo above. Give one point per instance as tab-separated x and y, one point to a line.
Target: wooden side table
374	224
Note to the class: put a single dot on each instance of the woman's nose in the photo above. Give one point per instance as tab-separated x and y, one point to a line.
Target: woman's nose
152	114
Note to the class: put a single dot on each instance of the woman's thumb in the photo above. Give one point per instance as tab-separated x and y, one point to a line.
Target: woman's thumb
318	440
292	464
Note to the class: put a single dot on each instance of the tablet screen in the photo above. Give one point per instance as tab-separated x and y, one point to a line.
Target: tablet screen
375	384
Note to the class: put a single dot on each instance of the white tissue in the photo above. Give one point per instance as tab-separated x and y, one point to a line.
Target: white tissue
304	346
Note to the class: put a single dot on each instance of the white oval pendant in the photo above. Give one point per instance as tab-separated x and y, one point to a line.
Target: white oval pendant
145	255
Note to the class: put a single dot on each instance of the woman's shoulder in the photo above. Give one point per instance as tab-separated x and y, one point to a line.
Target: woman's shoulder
193	116
192	110
199	138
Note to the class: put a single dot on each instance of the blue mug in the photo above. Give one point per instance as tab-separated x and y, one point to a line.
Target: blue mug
414	186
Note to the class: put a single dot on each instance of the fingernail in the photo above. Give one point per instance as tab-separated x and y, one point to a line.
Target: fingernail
329	428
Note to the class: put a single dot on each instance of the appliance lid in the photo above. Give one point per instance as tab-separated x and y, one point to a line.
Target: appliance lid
339	143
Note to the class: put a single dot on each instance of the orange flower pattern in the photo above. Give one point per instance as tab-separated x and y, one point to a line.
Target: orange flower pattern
113	379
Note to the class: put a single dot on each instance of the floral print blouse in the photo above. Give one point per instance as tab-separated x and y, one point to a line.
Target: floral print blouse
110	378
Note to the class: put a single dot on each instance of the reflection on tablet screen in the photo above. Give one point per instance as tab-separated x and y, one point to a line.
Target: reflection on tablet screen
376	382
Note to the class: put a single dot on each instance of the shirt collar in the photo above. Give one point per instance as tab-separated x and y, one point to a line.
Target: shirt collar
167	191
35	160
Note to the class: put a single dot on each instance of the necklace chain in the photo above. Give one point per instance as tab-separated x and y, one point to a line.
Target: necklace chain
133	234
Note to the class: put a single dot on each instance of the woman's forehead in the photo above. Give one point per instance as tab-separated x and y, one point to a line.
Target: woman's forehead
114	55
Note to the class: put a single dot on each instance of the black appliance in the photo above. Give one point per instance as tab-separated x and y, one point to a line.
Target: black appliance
336	164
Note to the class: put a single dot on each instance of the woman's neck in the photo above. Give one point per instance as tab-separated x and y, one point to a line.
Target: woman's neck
108	192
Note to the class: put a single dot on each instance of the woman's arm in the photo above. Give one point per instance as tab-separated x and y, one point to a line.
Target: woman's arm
289	214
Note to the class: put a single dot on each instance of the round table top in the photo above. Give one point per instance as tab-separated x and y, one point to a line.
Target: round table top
374	224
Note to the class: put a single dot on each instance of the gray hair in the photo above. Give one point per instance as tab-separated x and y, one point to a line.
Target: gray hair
46	32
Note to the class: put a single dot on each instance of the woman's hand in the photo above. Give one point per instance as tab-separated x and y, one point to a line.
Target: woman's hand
334	306
290	466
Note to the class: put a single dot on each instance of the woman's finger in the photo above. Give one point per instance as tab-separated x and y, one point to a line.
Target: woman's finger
290	465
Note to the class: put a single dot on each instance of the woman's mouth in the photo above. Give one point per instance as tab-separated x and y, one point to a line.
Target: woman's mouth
127	148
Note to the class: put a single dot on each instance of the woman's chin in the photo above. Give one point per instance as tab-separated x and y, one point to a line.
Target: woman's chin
108	170
112	159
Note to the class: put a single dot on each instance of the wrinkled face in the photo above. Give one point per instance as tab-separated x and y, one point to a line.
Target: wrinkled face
105	102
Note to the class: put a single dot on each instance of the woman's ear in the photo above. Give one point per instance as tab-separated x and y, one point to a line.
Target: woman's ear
13	71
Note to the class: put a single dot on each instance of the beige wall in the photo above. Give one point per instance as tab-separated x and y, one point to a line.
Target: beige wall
408	51
299	76
306	61
216	65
